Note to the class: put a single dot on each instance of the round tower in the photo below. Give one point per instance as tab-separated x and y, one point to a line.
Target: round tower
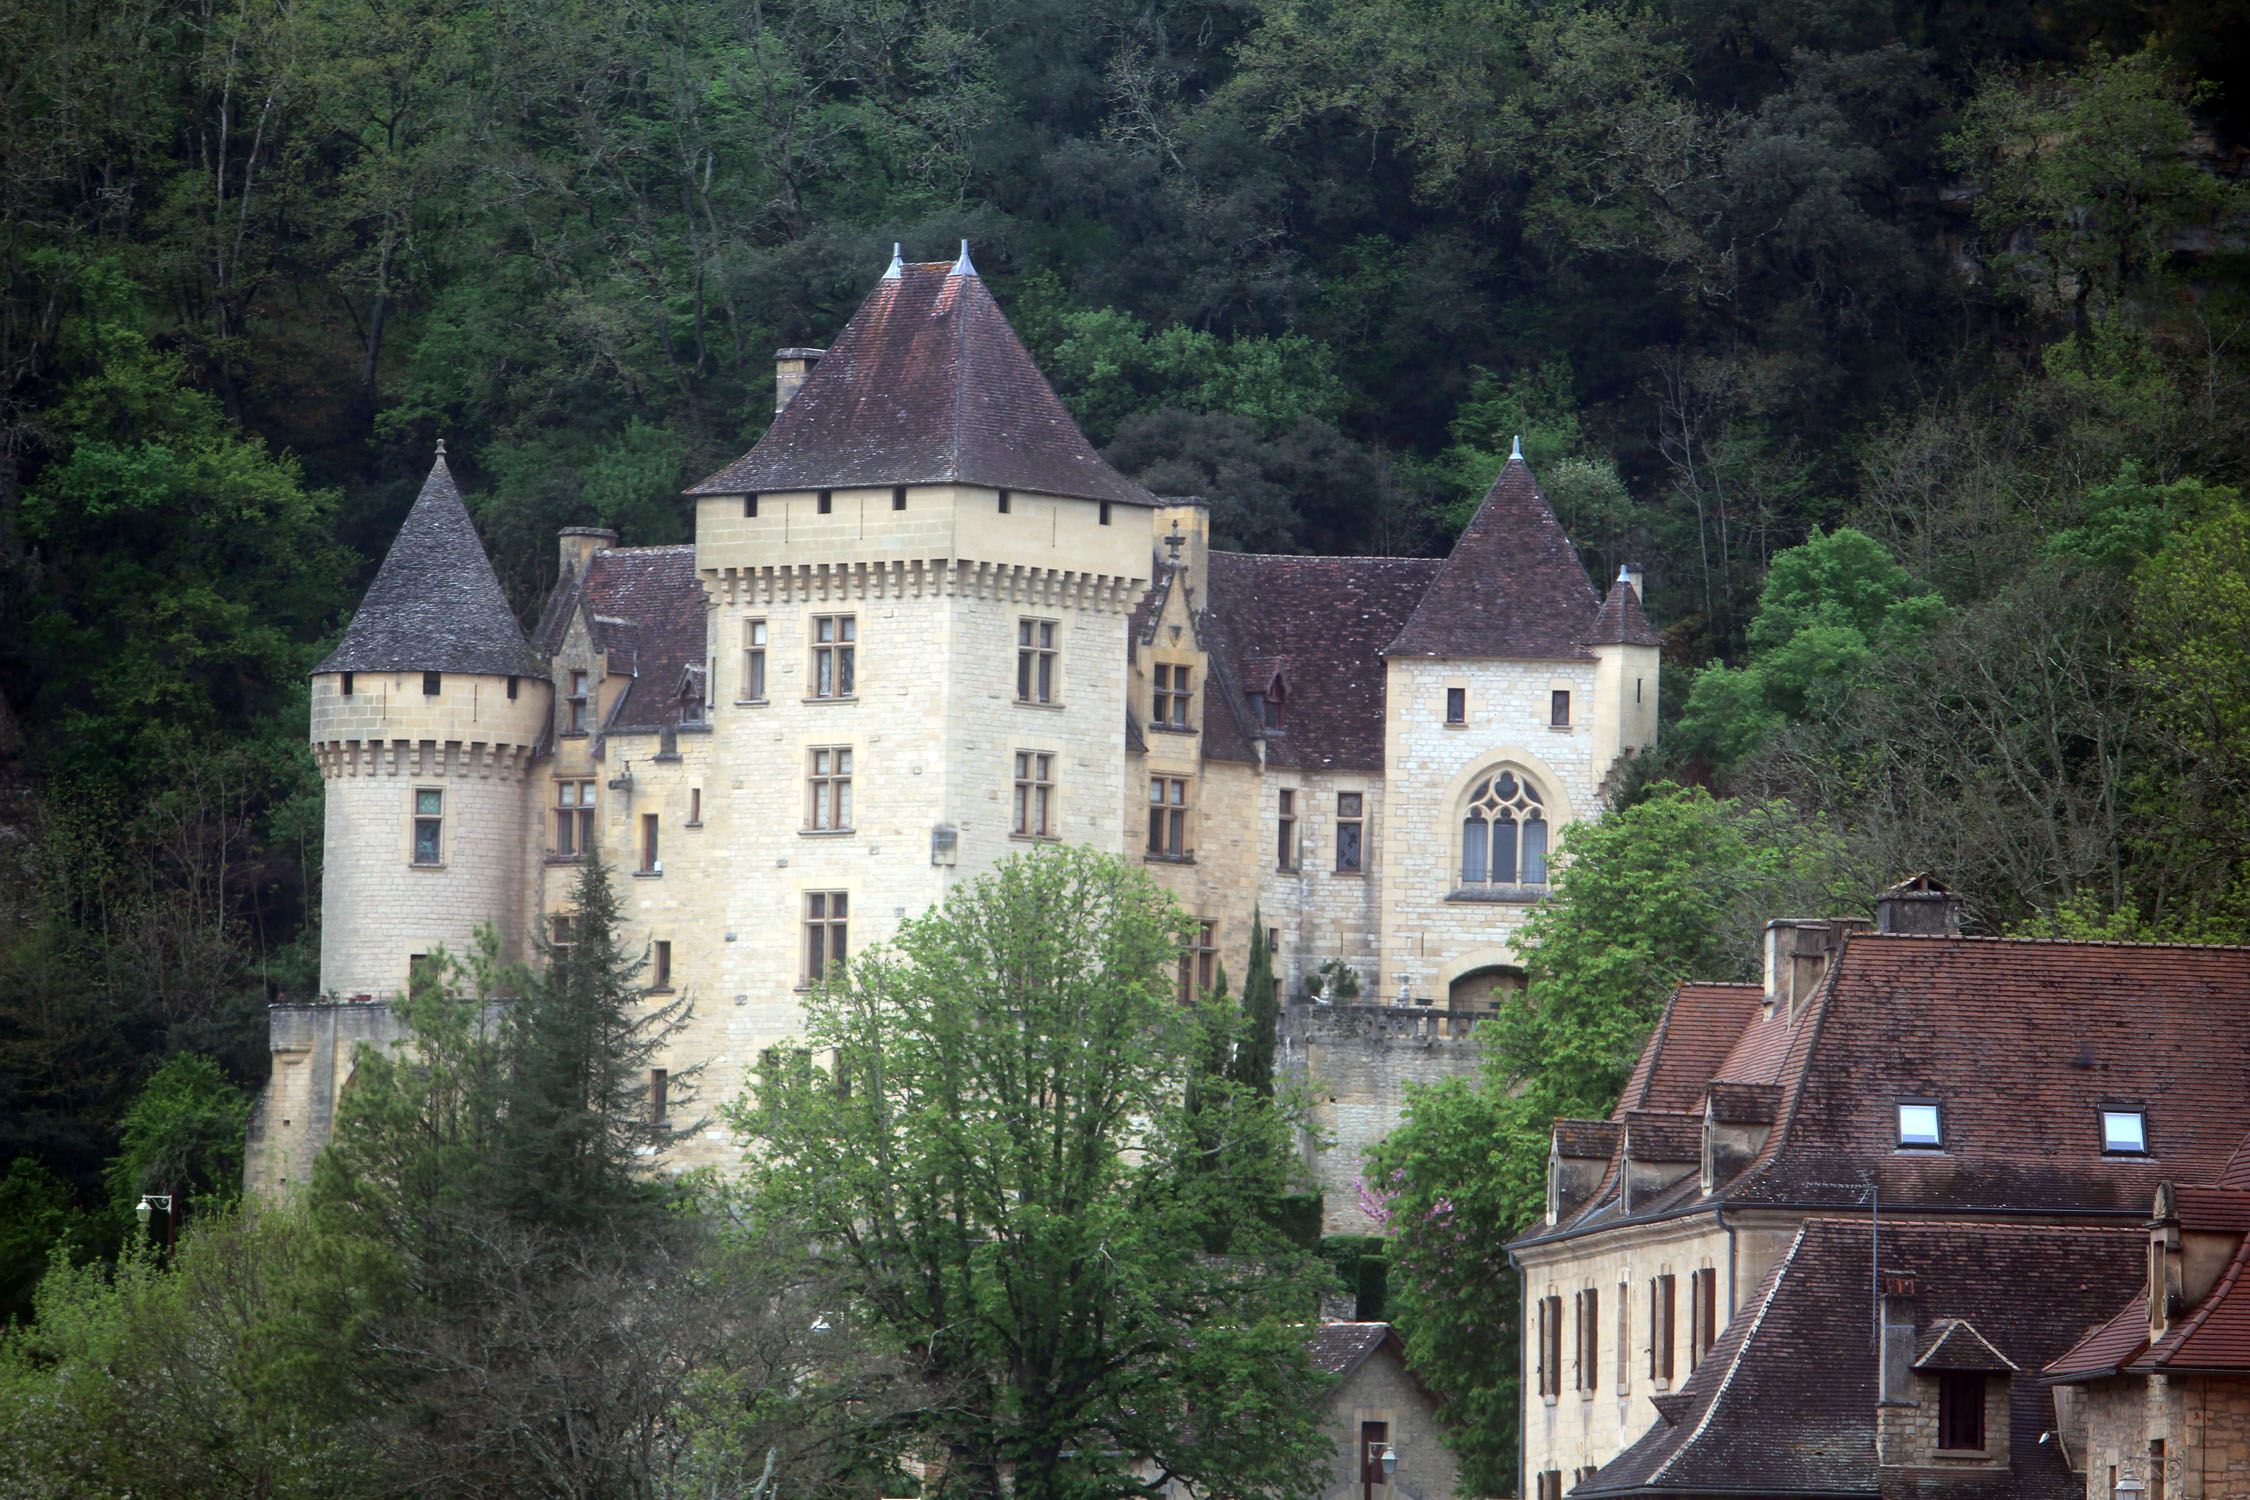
425	721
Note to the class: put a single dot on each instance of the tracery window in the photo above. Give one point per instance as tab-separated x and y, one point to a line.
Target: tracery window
1504	833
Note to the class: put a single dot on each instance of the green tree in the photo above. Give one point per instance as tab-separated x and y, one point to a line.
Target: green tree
1261	1015
995	1155
182	1135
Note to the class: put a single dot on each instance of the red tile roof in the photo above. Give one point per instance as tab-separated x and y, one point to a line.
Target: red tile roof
2221	1210
645	609
2216	1336
1955	1344
927	384
1622	621
1586	1140
2107	1349
1693	1037
1512	588
1663	1135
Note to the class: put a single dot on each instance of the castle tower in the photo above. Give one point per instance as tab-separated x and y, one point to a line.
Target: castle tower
424	723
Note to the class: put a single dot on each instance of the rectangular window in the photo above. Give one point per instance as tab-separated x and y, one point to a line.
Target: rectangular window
1003	502
1348	825
659	1087
1624	1337
2125	1132
754	661
1174	695
512	689
1167	816
1558	708
1550	1338
346	686
691	703
695	806
421	973
1285	833
898	497
566	931
1960	1410
749	507
825	501
660	964
834	657
1660	1290
1206	955
1588	1372
1035	661
574	818
1456	705
1703	1314
828	789
826	914
1919	1124
429	826
432	683
1035	794
651	862
1105	512
576	704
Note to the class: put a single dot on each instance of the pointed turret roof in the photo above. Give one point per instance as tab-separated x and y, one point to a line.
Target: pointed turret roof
435	605
1512	588
926	385
1622	621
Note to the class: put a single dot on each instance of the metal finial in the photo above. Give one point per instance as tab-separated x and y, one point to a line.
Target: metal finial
1624	572
962	267
1517	450
441	447
898	264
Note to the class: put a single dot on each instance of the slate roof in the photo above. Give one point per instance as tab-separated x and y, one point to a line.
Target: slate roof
644	608
1340	1348
927	384
435	604
1663	1135
1752	1423
1322	624
1955	1344
1622	621
1743	1103
1585	1140
1512	587
2022	1041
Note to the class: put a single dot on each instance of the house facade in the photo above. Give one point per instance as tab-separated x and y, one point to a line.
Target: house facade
923	626
1841	1220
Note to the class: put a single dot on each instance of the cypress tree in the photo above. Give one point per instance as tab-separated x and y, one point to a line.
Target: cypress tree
1261	1016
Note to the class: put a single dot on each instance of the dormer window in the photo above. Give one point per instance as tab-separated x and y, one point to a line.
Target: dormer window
2124	1132
1919	1125
1270	705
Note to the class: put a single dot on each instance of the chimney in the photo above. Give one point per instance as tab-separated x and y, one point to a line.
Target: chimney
1187	517
580	543
791	368
1918	904
1897	1348
1798	953
1630	573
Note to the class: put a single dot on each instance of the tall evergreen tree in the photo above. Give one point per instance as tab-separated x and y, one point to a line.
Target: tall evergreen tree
1261	1015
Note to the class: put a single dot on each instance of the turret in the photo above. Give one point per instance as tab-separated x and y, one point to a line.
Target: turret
1627	651
424	724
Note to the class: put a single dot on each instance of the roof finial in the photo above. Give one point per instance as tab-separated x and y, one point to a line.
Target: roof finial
898	264
962	267
441	447
1517	450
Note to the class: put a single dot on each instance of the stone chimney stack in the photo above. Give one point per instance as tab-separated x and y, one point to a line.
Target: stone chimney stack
1630	573
791	368
580	543
1899	1331
1798	954
1918	904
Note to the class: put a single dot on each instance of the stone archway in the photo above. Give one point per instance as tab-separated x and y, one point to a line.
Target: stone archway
1484	989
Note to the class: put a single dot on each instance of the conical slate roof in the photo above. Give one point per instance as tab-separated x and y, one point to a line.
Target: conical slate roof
926	385
435	605
1512	588
1622	620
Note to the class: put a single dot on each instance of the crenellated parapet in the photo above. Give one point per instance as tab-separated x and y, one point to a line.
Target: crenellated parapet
424	759
923	578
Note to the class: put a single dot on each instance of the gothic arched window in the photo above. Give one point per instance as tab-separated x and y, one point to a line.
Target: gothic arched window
1504	832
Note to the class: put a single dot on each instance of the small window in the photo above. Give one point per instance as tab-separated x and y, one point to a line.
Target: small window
429	826
1586	1374
574	818
827	501
1035	661
1003	502
749	507
1199	963
1174	692
566	932
1285	833
652	862
1558	708
898	497
1167	816
1703	1314
660	965
511	689
754	661
575	704
1456	705
1918	1125
1349	807
421	973
695	806
347	684
835	656
826	917
691	704
828	790
2125	1132
1624	1337
1105	512
1960	1405
1660	1326
659	1090
432	684
1035	795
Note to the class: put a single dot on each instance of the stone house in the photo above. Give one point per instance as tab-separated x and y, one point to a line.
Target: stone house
923	625
1378	1407
1892	1073
2154	1403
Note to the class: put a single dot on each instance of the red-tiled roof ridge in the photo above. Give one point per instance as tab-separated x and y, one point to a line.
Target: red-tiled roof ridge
927	384
1692	1037
2216	1336
2218	1209
1512	588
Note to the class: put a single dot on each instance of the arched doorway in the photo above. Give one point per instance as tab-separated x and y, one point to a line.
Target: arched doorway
1484	990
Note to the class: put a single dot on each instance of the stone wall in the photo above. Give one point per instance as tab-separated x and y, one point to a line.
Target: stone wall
1356	1062
314	1046
2203	1422
1380	1390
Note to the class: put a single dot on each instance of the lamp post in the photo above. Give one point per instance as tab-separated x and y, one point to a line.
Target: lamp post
2129	1488
1389	1460
151	1202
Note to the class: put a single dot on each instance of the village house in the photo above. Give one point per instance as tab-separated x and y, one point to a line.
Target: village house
1841	1220
1384	1421
922	626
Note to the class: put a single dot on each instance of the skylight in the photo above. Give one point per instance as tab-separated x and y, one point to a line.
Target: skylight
2124	1130
1918	1125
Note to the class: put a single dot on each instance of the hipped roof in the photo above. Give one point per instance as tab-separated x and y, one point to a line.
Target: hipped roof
926	385
1512	587
435	605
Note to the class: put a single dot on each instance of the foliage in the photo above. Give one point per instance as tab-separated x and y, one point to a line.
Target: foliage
1252	1066
181	1135
990	1140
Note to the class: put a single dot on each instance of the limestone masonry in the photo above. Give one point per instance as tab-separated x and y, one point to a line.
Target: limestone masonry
923	626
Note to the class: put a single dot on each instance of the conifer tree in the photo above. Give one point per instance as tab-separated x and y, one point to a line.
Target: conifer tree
1261	1015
